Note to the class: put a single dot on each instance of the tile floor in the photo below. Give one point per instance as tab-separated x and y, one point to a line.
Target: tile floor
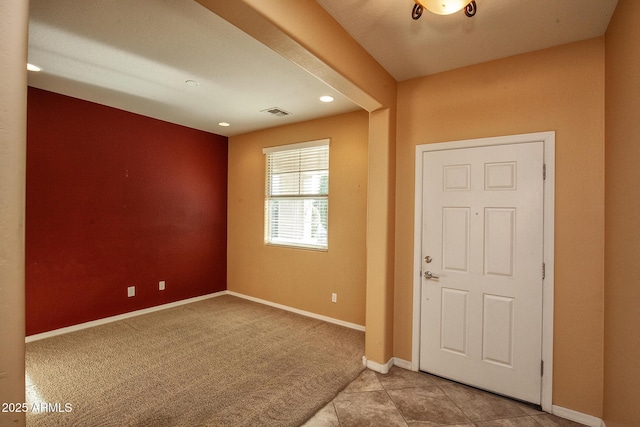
416	399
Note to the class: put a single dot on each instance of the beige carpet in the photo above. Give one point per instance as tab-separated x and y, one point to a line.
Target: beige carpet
224	361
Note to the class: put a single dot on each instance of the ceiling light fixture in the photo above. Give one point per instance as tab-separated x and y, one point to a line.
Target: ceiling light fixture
32	67
443	7
326	98
193	83
223	124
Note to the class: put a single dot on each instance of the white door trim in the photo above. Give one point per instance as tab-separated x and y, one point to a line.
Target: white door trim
548	138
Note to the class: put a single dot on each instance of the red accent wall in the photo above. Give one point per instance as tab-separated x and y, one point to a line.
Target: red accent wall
115	199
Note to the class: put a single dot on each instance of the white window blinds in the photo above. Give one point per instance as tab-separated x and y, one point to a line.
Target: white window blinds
297	195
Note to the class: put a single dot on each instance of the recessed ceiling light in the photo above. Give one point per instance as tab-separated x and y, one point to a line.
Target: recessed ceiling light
191	83
326	98
225	124
32	67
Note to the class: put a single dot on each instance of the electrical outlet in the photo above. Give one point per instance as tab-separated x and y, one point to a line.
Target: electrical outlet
161	285
131	291
334	297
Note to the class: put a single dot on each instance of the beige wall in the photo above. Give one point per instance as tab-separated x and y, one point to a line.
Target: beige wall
622	290
380	233
298	278
13	111
559	89
305	33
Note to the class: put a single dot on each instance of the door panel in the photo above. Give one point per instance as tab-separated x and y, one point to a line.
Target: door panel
497	330
481	312
454	321
455	239
499	241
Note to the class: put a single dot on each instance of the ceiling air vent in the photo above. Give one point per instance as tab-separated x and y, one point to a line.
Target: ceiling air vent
276	112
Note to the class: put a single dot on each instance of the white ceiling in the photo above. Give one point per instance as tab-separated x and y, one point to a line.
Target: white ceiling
137	55
409	48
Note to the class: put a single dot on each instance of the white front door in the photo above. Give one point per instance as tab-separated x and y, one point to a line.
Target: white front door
482	250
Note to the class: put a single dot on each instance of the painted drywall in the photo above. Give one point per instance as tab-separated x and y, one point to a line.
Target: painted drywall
114	200
299	278
307	35
380	236
622	246
13	107
559	89
293	28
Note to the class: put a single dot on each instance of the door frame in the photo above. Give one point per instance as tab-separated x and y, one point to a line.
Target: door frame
548	139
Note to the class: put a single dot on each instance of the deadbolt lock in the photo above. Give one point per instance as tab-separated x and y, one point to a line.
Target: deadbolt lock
428	259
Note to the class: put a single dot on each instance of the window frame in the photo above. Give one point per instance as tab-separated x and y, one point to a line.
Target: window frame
269	240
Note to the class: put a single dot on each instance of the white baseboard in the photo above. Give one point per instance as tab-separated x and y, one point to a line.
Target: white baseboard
123	316
378	367
404	364
384	368
297	311
558	411
577	417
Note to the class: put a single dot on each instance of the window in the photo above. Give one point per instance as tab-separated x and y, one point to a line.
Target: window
297	195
